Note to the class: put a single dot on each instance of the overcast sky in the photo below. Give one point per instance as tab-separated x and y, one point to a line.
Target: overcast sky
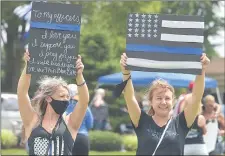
219	39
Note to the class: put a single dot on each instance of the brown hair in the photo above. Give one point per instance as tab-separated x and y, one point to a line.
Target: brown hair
159	83
47	87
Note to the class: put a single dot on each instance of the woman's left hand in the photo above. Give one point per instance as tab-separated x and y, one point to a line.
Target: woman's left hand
205	61
79	65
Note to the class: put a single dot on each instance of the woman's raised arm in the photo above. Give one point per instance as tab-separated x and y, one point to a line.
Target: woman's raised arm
78	114
194	100
26	111
132	104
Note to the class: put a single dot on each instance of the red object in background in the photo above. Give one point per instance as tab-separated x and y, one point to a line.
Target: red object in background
191	85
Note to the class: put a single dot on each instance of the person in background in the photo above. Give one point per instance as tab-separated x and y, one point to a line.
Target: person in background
221	134
211	112
81	144
194	141
99	109
223	109
145	103
222	119
180	104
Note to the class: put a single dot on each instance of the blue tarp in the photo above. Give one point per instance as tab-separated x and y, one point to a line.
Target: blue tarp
145	78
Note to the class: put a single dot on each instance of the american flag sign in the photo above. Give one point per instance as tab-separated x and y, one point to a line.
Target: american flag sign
164	43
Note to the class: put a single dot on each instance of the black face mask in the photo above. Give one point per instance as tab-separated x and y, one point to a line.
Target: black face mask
59	106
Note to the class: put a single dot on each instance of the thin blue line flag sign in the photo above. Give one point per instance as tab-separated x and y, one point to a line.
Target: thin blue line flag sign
54	39
164	43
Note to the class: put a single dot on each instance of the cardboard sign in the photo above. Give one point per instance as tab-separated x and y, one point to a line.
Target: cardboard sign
164	43
54	39
211	136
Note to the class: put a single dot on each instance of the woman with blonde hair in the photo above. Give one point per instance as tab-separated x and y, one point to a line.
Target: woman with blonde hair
157	132
46	130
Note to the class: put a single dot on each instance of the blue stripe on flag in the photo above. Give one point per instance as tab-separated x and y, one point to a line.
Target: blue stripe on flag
163	49
56	26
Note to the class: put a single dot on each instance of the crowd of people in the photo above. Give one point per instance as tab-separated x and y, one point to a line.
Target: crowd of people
56	121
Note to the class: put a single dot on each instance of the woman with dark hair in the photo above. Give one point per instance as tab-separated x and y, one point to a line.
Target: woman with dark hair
47	131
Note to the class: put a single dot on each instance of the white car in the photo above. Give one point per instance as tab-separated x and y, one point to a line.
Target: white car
10	115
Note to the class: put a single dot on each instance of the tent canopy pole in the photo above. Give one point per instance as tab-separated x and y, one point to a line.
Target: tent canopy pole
218	95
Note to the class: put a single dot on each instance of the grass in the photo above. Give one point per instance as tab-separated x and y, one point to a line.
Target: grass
23	152
111	153
13	152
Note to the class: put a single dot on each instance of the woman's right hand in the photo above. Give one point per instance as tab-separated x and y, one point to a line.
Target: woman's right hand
26	56
123	63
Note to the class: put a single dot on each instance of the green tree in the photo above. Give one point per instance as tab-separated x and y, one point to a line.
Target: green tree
97	56
13	49
111	17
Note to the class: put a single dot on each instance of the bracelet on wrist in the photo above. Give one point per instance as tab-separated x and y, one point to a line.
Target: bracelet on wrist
79	85
128	78
126	73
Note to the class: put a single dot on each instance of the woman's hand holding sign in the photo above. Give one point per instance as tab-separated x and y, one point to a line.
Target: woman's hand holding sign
123	64
26	56
79	65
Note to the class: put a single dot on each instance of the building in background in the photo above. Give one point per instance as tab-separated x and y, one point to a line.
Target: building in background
216	70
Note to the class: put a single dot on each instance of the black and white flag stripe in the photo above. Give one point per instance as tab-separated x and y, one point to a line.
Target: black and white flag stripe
168	43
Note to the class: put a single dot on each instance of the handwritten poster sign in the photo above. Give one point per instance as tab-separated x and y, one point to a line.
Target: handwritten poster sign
54	38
